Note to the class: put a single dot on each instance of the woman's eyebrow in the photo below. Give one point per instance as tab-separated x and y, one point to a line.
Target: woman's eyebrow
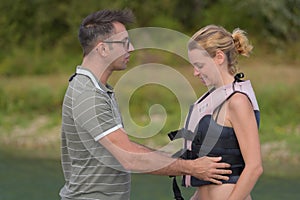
198	63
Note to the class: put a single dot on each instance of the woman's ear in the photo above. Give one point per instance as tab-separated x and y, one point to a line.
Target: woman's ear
220	57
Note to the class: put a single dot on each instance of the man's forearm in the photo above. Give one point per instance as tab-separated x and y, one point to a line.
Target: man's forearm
165	164
137	158
145	160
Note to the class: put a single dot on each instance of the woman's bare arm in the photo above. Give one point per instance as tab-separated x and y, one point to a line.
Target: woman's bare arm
243	121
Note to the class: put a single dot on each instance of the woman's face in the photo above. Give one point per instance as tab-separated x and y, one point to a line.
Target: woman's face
205	67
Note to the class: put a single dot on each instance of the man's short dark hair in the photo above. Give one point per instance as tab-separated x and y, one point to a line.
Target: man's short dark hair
98	26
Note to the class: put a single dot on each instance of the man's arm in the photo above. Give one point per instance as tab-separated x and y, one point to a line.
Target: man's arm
135	157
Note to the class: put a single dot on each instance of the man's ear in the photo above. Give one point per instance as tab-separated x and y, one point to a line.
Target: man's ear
102	49
220	57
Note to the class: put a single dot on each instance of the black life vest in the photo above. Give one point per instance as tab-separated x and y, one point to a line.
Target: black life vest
212	142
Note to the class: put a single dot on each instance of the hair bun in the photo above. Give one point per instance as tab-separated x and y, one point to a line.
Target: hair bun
241	42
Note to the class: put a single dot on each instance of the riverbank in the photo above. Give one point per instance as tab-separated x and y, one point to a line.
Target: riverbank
41	178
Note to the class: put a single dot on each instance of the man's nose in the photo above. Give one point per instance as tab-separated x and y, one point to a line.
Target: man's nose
131	48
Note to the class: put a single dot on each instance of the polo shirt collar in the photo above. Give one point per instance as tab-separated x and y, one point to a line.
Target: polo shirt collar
97	84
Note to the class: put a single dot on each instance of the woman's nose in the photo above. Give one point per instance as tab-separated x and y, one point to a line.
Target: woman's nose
196	72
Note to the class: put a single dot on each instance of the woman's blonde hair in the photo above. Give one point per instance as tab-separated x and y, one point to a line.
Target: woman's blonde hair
212	38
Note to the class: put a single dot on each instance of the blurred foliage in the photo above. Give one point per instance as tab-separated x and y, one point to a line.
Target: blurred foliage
34	30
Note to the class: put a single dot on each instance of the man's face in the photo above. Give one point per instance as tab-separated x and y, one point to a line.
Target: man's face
120	48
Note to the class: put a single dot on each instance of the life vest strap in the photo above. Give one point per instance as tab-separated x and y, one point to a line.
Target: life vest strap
71	78
181	133
176	190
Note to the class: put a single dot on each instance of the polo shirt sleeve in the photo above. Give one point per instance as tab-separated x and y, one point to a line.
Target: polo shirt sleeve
95	113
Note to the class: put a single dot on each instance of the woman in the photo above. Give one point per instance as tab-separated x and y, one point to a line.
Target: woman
213	52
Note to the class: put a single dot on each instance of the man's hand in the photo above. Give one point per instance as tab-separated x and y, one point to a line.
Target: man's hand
209	169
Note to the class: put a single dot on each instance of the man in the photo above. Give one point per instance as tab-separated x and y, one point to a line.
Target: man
97	155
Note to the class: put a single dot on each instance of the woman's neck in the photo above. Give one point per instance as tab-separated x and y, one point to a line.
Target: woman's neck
225	80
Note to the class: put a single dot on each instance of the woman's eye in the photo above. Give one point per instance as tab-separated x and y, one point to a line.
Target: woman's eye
198	65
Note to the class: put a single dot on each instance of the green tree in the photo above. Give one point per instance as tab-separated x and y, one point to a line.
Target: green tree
34	31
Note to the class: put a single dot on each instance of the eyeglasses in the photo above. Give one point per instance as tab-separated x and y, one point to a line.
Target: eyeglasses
125	42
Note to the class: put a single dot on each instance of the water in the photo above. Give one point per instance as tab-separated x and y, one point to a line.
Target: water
23	178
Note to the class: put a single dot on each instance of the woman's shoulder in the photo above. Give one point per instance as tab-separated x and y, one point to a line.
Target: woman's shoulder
239	101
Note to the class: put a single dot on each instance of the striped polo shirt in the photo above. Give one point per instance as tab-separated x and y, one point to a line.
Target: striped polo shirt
89	113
